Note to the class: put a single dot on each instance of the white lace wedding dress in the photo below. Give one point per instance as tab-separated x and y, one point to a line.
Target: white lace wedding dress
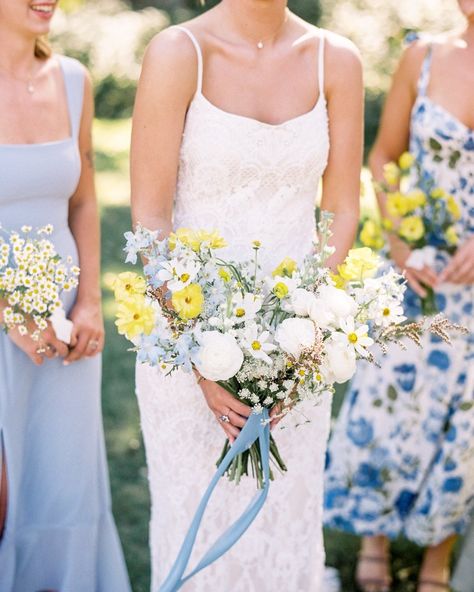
250	180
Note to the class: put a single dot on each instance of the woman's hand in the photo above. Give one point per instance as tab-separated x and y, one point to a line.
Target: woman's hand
87	337
460	270
223	404
48	346
416	278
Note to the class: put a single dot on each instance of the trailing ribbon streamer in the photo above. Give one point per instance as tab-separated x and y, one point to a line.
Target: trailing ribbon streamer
256	427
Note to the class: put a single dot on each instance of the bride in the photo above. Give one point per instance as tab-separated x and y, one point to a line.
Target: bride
238	116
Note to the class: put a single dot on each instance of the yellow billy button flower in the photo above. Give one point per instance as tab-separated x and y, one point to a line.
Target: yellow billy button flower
406	161
411	228
280	290
134	317
224	274
391	173
188	302
128	284
256	244
286	268
451	236
359	264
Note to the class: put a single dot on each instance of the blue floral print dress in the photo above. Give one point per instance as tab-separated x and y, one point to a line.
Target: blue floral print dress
401	458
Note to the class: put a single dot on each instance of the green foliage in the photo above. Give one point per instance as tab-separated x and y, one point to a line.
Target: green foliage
114	97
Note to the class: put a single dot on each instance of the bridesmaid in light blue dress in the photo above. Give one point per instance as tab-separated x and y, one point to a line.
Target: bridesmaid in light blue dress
56	527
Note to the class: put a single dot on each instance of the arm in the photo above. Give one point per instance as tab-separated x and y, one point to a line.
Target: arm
88	332
341	182
391	142
166	87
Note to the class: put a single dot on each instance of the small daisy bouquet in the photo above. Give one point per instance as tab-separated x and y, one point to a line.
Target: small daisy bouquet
421	214
272	341
32	278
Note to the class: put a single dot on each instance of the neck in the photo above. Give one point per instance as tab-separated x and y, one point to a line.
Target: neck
256	19
469	33
17	53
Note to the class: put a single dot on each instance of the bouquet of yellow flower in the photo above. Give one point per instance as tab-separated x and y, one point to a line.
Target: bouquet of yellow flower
272	341
32	278
421	214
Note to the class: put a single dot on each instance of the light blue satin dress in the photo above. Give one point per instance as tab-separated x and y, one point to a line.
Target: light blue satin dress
60	534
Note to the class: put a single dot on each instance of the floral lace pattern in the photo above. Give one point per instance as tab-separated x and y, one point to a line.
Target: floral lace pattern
251	181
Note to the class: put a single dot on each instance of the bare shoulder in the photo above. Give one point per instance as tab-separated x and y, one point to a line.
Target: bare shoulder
343	60
171	49
413	56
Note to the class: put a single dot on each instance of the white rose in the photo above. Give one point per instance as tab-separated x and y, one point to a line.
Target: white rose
301	301
332	305
340	362
295	334
219	357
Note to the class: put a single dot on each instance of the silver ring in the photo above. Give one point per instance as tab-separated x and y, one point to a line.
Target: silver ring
224	419
93	344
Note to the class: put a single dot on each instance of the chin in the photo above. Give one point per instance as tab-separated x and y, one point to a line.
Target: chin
40	14
467	8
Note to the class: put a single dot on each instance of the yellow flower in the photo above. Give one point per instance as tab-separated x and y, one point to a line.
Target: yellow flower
397	204
127	285
134	317
195	238
438	193
416	199
188	302
453	207
256	244
391	173
411	228
451	235
224	274
406	161
371	235
184	235
359	264
286	268
280	290
213	239
387	224
339	282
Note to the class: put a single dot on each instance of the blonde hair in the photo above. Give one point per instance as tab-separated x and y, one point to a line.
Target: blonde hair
42	49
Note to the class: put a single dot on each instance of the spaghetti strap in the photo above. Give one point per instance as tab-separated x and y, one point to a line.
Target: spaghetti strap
424	79
198	53
73	73
321	64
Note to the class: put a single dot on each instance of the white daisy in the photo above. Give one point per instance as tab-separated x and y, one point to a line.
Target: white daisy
178	274
354	339
257	344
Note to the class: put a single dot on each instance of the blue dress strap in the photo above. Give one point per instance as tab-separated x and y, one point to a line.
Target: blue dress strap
74	78
424	79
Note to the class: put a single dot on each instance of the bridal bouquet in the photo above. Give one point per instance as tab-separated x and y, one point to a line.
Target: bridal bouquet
32	278
272	341
422	215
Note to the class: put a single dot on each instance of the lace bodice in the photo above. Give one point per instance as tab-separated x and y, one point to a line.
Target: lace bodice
231	165
249	180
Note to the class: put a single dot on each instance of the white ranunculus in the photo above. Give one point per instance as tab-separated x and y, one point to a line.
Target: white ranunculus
295	334
340	362
219	357
331	305
301	301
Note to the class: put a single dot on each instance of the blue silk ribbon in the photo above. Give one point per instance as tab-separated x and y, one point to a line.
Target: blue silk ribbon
256	427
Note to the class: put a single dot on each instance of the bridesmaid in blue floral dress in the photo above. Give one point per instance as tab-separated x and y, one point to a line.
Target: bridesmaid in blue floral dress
56	528
401	458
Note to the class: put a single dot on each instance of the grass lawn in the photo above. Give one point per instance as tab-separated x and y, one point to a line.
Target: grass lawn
124	444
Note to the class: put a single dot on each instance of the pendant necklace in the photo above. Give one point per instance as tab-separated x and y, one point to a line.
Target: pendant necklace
30	86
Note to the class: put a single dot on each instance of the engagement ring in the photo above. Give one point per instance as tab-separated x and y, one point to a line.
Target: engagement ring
224	419
93	344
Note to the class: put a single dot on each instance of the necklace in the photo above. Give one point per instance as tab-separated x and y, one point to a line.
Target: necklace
261	42
30	87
